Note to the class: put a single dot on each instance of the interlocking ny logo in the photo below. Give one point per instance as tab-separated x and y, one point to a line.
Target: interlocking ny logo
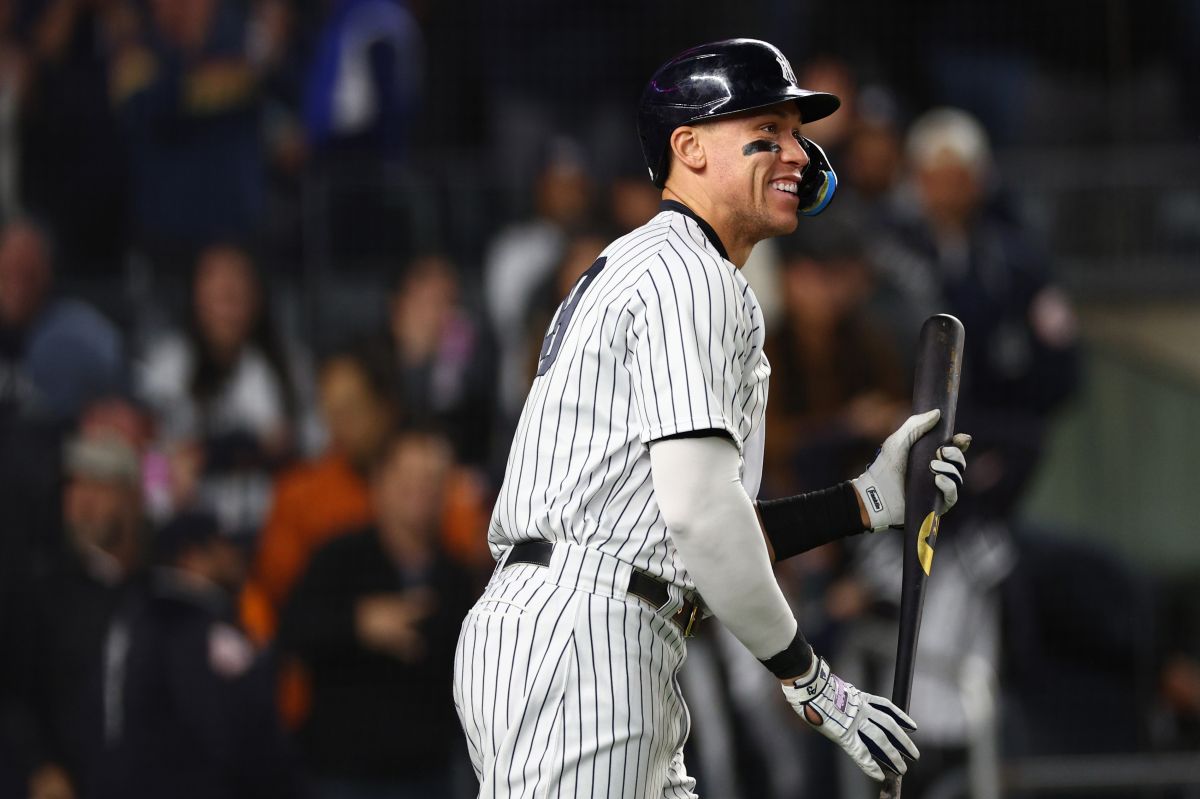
786	67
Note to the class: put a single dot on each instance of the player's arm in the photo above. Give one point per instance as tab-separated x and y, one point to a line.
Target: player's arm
873	501
715	530
712	523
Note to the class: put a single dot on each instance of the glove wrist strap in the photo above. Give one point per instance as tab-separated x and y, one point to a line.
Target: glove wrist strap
872	498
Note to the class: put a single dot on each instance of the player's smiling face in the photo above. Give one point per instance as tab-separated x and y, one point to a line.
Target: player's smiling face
758	160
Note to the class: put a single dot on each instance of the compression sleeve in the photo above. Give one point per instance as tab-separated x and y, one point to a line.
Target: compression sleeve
806	521
716	532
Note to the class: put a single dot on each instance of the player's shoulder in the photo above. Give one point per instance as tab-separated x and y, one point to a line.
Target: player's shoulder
640	245
668	244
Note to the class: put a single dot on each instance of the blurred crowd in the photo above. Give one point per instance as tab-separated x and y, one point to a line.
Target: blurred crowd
262	348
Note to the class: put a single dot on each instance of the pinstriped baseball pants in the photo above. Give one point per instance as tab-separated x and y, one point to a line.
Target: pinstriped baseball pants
566	687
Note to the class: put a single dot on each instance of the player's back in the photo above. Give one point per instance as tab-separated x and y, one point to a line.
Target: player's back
660	336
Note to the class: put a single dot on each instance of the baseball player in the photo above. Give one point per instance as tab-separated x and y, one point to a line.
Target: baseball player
627	509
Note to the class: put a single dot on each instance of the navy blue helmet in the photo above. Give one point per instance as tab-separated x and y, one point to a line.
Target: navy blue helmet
716	80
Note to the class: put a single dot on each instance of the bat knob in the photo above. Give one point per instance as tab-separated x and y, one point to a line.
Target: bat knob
891	787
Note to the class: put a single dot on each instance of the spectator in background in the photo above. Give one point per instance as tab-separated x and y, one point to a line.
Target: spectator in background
365	81
375	618
317	500
444	366
874	161
863	142
56	355
956	251
187	91
830	73
66	616
32	542
188	705
838	389
281	43
73	163
581	251
229	392
632	199
361	91
871	172
523	255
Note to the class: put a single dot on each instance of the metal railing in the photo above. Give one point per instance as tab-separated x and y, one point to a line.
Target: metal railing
987	774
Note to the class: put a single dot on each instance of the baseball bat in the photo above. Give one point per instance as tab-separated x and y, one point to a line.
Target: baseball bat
939	366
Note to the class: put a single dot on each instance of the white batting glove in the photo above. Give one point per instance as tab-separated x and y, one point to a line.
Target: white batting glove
881	486
872	730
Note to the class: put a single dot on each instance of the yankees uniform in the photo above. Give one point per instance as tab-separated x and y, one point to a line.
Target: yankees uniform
563	676
566	668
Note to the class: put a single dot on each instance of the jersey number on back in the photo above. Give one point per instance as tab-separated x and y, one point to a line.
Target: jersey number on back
558	325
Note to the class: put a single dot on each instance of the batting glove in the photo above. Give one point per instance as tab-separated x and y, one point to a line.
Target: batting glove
872	730
881	486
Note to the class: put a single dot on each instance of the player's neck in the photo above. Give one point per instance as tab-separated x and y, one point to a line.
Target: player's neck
736	250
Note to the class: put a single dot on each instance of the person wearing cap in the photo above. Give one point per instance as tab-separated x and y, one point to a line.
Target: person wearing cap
188	706
65	618
57	354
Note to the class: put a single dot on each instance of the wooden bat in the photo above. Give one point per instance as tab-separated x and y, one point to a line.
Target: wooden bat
939	366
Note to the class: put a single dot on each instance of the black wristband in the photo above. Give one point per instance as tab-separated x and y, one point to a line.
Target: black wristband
806	521
793	661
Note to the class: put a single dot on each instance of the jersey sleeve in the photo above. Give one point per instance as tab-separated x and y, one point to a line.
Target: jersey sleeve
685	358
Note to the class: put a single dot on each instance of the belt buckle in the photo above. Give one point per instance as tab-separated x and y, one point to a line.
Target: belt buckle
688	629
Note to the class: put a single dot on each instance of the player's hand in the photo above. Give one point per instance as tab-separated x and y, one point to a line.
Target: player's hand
872	730
881	486
389	623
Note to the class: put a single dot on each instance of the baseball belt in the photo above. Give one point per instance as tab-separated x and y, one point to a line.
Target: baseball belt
643	586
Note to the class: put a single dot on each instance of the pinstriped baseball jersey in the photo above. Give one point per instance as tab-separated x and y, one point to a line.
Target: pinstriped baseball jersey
662	335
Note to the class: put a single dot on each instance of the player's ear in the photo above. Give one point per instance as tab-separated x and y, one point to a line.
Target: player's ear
687	148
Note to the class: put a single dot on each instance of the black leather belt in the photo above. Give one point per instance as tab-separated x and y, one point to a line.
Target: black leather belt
641	585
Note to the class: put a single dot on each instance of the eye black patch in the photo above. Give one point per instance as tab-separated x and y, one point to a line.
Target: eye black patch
760	146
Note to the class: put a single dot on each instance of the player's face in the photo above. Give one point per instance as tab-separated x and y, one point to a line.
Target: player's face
758	160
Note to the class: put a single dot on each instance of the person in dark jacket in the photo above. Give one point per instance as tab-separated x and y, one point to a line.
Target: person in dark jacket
56	651
958	250
375	618
188	702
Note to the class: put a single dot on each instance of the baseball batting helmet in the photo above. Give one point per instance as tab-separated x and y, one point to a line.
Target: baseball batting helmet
717	80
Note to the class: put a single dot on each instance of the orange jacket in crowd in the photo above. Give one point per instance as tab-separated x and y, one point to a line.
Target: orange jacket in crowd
321	499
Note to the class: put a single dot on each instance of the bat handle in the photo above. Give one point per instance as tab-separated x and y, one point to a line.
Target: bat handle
891	787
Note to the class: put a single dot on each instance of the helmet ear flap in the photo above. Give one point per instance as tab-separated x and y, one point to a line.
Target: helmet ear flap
819	181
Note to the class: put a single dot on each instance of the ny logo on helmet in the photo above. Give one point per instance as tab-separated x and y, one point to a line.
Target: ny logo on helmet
786	67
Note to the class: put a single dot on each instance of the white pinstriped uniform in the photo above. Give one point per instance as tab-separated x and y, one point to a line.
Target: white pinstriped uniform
564	685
